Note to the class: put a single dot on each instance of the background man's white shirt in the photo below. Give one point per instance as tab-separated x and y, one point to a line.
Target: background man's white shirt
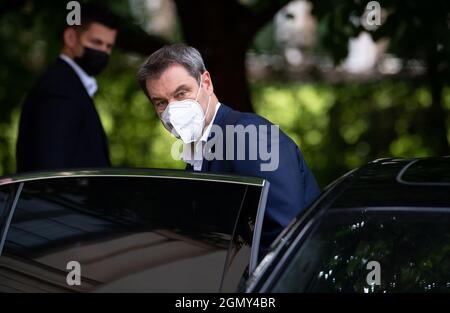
88	82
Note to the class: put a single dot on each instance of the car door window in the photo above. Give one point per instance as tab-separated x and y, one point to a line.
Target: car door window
126	233
4	195
412	251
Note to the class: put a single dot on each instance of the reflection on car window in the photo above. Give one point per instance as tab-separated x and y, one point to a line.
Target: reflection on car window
412	250
5	191
128	234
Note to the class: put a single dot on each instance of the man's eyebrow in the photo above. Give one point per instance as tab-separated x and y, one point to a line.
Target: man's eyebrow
154	99
178	89
181	87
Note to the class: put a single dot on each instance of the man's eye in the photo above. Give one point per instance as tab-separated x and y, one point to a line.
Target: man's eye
181	94
96	42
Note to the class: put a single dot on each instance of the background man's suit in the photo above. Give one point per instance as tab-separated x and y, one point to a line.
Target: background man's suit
59	126
292	185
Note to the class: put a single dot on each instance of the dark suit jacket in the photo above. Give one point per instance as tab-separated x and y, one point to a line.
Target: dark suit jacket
292	185
59	125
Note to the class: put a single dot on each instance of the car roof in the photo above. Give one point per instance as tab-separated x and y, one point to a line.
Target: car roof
416	182
131	172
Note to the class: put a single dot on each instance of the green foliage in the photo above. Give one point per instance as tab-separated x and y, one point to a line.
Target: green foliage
26	42
264	41
335	26
415	29
339	127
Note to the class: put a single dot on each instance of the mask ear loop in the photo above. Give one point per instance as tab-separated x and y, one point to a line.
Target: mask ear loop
196	99
204	115
207	107
200	87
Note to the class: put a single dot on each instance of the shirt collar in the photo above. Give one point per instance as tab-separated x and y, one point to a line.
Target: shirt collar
89	82
186	156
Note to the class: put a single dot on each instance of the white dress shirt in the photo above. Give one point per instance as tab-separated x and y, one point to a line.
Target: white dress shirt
88	82
197	161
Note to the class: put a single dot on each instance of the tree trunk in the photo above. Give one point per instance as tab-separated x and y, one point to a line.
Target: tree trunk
228	70
215	28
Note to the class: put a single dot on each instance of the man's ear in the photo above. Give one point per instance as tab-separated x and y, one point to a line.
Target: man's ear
70	37
207	82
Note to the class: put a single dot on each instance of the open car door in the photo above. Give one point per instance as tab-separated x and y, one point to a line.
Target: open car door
126	230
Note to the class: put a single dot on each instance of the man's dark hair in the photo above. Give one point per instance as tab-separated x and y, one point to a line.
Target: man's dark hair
96	13
169	55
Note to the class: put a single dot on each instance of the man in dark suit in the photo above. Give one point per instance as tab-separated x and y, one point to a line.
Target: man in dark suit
177	83
59	125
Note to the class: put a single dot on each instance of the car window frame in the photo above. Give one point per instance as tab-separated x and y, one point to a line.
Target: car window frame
260	213
10	209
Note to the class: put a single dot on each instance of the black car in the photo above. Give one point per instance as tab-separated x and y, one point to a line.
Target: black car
128	230
382	228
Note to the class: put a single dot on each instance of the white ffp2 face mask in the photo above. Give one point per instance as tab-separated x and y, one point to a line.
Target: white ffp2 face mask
185	119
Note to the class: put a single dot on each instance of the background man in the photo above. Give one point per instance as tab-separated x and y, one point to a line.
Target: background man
176	81
59	125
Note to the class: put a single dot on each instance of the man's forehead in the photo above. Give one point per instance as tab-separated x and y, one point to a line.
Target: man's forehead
170	79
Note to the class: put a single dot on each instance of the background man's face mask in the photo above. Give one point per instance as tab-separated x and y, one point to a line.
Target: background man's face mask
93	61
185	119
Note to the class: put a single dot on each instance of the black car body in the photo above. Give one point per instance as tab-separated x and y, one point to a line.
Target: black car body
382	228
128	230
